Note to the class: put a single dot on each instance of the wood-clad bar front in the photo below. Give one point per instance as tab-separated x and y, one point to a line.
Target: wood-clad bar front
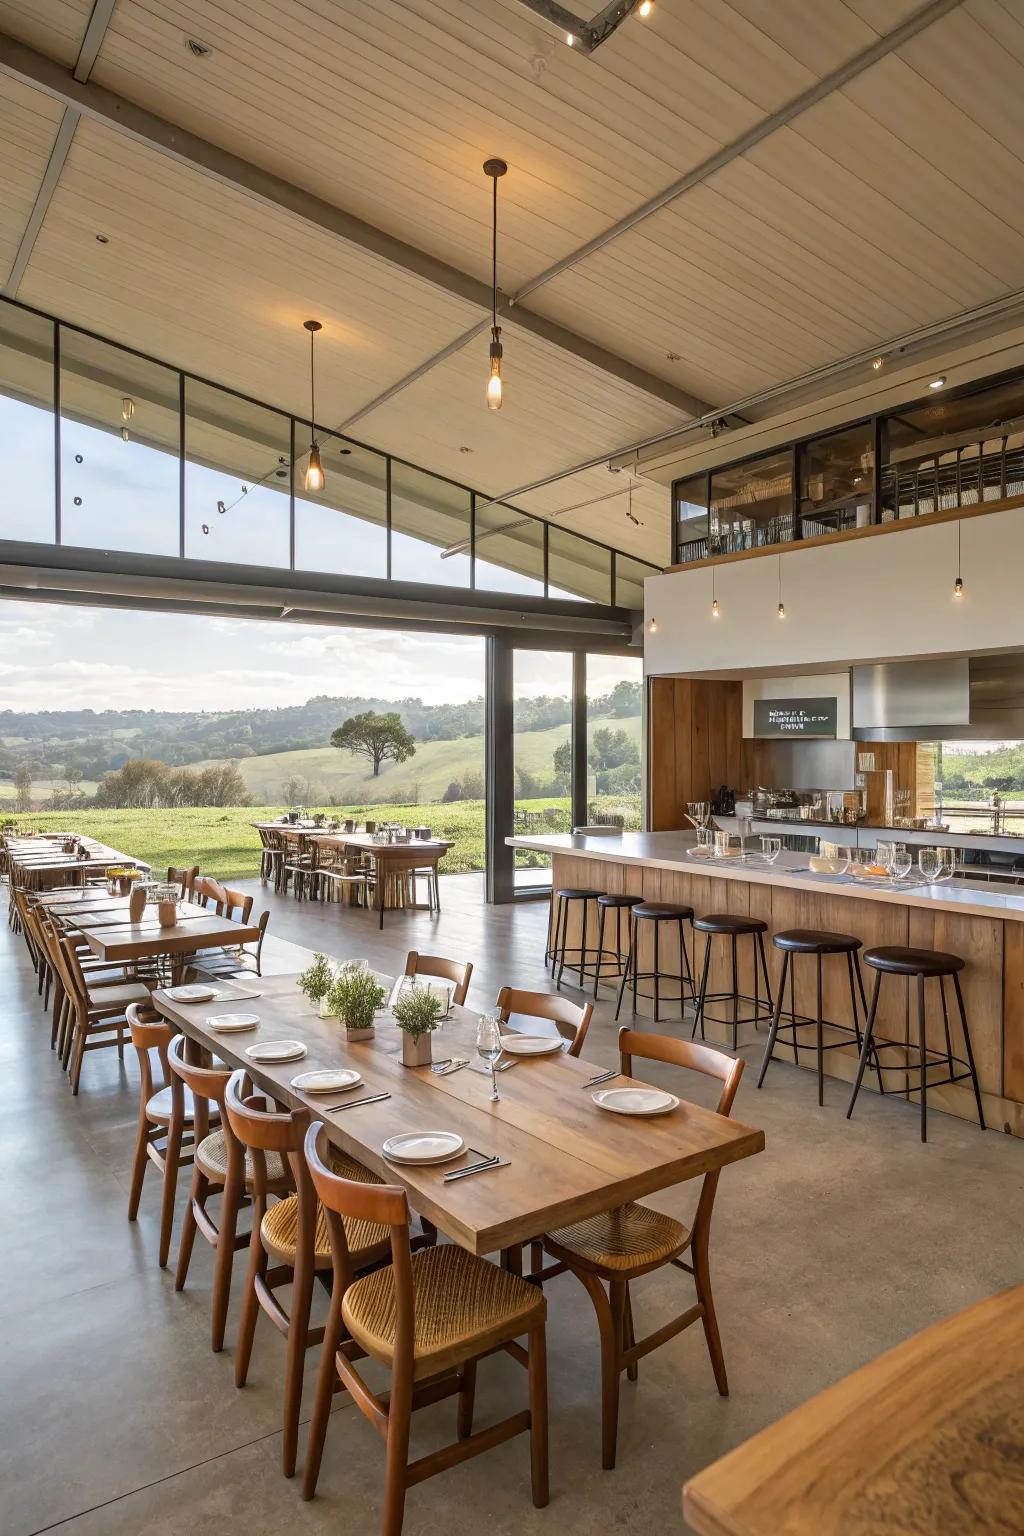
983	927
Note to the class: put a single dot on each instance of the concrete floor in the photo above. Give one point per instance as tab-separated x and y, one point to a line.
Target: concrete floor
116	1419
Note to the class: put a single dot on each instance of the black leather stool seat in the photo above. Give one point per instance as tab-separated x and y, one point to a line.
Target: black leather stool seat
897	961
570	893
608	900
728	922
815	941
656	911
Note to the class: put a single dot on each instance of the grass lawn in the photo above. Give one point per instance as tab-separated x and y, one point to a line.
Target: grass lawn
224	844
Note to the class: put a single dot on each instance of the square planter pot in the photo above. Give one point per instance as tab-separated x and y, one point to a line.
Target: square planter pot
416	1053
355	1035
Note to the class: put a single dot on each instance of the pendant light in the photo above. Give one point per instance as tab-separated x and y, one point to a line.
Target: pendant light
958	585
494	169
315	479
715	610
782	606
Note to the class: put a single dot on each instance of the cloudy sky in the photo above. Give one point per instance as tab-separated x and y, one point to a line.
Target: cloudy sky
56	657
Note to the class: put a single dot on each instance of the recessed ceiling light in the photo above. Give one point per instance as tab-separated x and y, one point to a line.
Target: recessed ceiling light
938	382
103	239
464	449
878	363
645	8
674	357
570	38
344	452
197	49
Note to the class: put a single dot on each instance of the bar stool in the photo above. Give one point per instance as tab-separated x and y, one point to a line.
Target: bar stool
557	948
619	958
816	942
733	927
657	912
923	964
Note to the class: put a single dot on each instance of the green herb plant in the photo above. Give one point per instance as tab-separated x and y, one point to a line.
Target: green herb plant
317	979
355	997
418	1011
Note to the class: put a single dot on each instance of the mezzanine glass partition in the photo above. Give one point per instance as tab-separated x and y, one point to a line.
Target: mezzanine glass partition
108	449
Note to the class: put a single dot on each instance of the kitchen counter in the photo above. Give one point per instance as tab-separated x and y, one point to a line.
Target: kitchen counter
671	851
863	834
983	923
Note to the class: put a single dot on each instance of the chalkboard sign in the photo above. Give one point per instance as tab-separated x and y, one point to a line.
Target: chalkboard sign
787	718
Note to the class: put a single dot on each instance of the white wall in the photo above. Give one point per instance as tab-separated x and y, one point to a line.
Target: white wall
819	685
872	599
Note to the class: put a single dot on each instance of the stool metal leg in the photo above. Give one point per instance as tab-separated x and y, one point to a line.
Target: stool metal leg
776	1015
600	947
630	965
764	972
869	1029
698	1015
736	994
967	1048
945	1025
820	1043
657	963
684	970
565	938
922	1058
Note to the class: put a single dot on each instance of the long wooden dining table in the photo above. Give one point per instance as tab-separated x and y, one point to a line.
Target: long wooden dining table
388	858
115	939
567	1159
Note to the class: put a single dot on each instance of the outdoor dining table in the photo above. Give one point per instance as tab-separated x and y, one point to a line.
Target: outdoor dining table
566	1158
389	858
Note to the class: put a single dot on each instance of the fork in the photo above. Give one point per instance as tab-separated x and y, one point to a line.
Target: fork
453	1064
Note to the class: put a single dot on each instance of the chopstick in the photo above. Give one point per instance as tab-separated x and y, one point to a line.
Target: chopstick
463	1173
602	1077
373	1098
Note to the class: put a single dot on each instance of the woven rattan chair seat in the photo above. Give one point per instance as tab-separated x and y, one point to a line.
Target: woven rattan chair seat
366	1239
462	1306
633	1237
212	1159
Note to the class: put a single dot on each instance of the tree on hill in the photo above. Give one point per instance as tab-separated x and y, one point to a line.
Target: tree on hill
378	738
23	788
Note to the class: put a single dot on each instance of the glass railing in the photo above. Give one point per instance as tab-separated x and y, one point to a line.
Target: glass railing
105	448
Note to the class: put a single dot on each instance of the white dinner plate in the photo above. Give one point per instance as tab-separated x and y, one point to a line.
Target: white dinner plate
195	992
635	1101
530	1045
230	1023
275	1050
423	1147
327	1080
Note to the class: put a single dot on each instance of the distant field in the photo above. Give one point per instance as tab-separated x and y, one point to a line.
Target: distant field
43	788
330	772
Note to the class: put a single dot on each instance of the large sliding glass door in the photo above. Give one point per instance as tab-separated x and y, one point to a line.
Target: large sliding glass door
573	721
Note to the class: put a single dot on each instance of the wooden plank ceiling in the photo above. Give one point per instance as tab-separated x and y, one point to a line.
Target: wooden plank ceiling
887	205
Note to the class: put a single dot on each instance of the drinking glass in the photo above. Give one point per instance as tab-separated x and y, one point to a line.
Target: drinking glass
901	862
723	842
488	1046
704	838
947	866
929	862
884	855
771	847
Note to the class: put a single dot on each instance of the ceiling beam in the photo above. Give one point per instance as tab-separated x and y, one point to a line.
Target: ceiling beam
19	62
92	38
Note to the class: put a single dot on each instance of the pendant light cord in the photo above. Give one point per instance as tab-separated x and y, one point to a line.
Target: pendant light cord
312	389
494	253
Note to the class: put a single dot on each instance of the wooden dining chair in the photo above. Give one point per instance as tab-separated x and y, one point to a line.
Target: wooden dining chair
456	971
206	1085
207	891
98	1012
619	1246
572	1020
161	1137
429	1317
184	879
292	1232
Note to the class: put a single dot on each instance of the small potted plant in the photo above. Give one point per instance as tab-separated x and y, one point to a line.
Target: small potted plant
319	818
316	981
355	996
418	1012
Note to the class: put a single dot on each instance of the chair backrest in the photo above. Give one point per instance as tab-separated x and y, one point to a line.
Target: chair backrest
206	890
149	1033
695	1058
570	1019
456	971
185	878
237	902
384	1204
260	1129
205	1082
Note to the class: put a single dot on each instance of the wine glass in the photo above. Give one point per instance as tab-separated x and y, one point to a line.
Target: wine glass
488	1046
929	862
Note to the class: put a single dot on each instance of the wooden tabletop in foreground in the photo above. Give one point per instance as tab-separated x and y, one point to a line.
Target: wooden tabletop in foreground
568	1159
927	1440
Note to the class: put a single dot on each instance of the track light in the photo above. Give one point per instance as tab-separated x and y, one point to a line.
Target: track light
570	39
315	477
645	8
878	363
937	383
494	169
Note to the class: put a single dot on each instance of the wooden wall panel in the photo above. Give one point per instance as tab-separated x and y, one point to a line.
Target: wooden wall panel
695	744
1013	1012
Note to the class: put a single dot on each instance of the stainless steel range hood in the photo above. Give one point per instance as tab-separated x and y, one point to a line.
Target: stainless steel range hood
978	698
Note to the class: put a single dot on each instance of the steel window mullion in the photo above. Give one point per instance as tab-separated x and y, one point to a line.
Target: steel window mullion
291	495
387	515
181	465
472	541
56	434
